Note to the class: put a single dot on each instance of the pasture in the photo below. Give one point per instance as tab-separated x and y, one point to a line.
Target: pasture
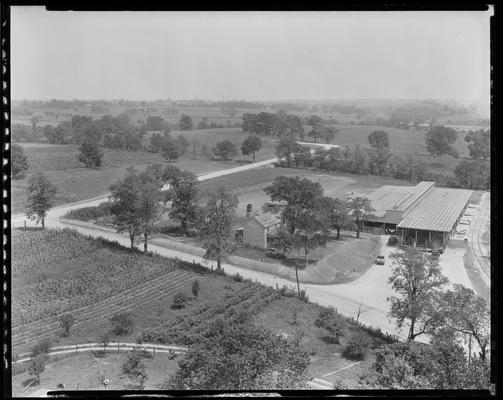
75	183
402	142
249	185
62	271
80	372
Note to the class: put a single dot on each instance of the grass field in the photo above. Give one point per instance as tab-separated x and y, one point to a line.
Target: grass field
75	183
403	141
64	270
80	372
249	185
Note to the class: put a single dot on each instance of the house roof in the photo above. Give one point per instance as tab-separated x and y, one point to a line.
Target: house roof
268	219
437	211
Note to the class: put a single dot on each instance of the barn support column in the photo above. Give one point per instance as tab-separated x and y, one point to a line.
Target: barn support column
415	241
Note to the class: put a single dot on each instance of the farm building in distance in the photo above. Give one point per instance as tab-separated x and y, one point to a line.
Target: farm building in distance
421	215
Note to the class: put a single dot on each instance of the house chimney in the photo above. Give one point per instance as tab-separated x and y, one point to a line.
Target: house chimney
248	210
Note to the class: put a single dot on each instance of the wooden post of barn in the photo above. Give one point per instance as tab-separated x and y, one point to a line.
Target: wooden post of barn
24	224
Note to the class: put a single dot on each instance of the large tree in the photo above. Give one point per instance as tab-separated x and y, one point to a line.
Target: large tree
242	357
473	174
285	150
417	279
360	208
315	123
251	145
334	212
299	194
379	140
170	150
125	196
19	162
479	144
310	233
328	133
55	135
149	206
41	195
439	140
466	313
225	150
183	194
216	230
185	123
90	154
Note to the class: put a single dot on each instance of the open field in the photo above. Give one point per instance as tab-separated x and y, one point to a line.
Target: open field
74	183
249	185
80	372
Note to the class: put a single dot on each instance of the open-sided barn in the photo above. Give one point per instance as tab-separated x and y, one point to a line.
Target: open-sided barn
421	215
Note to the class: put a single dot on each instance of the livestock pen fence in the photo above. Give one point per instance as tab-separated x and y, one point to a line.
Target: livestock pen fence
111	347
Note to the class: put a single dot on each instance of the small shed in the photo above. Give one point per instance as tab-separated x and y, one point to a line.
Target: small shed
255	230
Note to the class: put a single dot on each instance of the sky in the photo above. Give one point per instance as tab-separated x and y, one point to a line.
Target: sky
249	55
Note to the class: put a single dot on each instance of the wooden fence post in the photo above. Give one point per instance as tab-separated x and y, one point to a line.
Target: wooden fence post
153	352
76	348
117	346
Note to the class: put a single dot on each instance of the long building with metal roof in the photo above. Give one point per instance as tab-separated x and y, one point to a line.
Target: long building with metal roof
422	215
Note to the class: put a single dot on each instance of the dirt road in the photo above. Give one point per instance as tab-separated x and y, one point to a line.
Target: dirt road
480	247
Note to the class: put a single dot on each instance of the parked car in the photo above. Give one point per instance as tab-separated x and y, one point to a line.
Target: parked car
379	260
392	241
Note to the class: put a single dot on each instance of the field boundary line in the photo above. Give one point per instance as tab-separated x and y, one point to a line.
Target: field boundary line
339	370
79	348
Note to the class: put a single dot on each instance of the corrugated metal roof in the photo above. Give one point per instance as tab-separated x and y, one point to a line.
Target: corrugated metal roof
267	219
437	211
419	190
388	197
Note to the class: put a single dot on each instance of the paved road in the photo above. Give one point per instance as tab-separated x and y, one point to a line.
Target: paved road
481	253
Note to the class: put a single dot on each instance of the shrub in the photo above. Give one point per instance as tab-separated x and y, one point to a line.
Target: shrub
179	300
66	321
329	320
134	368
195	288
37	366
122	324
41	347
104	339
238	278
357	346
304	297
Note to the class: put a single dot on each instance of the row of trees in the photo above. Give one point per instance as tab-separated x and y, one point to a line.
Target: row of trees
282	124
378	160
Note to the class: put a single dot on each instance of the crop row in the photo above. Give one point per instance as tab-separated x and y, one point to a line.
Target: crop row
84	278
95	314
189	328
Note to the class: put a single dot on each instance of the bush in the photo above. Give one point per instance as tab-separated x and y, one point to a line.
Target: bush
357	346
37	366
41	347
66	321
179	300
304	297
122	324
104	339
195	288
134	368
238	278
